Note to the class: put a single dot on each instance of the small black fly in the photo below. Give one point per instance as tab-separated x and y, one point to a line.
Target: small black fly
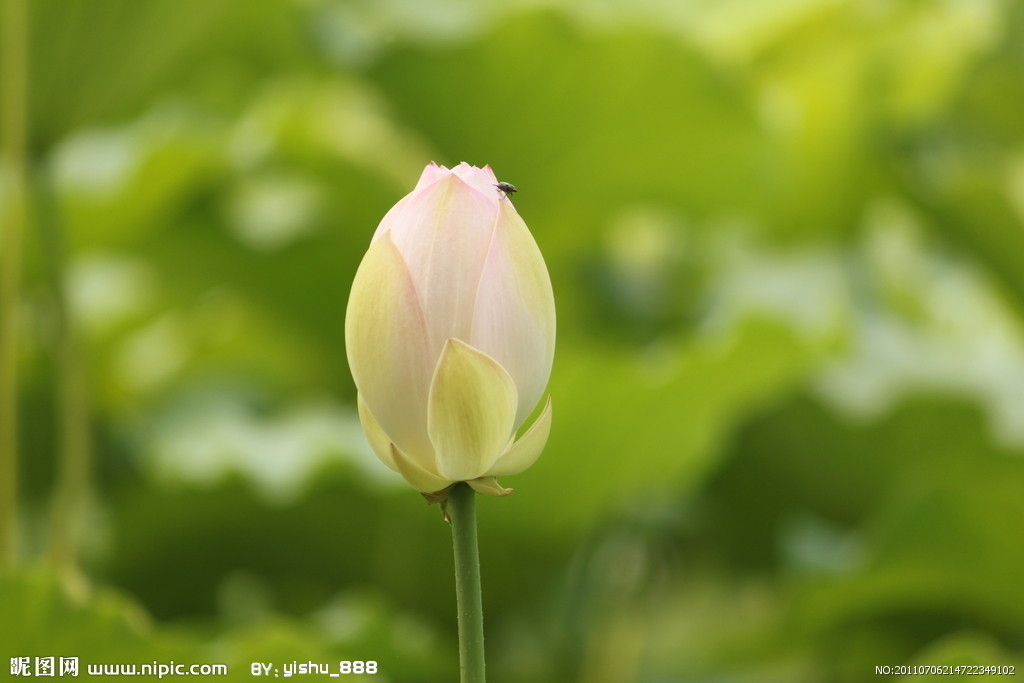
506	189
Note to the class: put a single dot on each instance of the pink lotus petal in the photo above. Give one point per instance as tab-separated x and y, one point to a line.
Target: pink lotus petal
431	174
443	234
514	319
450	334
483	179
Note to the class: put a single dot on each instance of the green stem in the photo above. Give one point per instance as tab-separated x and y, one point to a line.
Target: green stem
13	141
72	417
462	512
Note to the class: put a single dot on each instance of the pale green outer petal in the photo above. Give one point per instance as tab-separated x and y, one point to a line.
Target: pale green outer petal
471	410
421	479
489	486
388	350
527	449
443	233
514	320
379	441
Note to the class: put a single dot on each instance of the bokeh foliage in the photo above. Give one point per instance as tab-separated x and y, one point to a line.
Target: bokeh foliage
787	246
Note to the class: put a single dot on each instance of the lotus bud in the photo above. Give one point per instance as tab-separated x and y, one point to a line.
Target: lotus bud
450	335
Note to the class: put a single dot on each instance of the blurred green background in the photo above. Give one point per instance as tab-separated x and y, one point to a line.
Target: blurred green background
787	246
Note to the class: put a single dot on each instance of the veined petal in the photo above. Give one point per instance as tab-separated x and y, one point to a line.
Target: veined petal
514	316
401	214
443	234
421	479
431	174
379	441
483	179
527	449
388	348
471	411
395	216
